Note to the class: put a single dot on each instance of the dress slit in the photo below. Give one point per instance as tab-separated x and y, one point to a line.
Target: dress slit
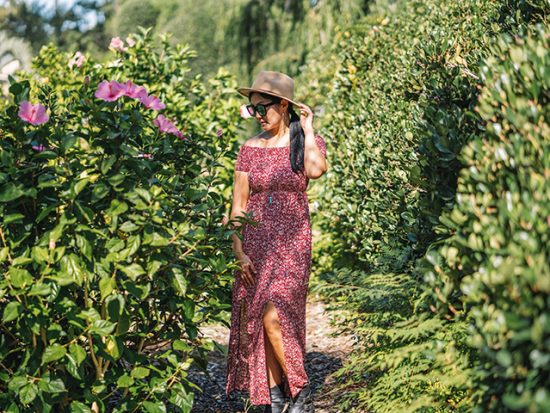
292	384
286	352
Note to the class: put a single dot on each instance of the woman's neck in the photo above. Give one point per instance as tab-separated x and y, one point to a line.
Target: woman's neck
277	133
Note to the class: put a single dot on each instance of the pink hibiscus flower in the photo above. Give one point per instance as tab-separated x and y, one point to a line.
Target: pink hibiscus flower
34	114
133	91
151	102
244	112
117	44
167	126
109	91
77	60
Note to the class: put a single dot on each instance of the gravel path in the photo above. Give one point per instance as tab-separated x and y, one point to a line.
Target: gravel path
324	356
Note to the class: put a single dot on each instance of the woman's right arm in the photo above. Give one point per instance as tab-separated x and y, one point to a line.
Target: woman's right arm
241	192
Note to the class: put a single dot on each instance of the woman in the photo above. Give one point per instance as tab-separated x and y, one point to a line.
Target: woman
267	338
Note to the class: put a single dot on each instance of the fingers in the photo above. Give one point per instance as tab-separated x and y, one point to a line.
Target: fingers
246	273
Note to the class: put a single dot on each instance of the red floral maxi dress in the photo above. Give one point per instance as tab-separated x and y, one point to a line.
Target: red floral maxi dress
280	249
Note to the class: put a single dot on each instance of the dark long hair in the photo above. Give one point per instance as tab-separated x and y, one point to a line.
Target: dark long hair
297	136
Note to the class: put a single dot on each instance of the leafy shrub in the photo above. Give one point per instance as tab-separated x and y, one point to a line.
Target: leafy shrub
400	111
111	249
495	264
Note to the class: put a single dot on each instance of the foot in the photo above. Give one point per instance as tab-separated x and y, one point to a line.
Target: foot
303	402
279	402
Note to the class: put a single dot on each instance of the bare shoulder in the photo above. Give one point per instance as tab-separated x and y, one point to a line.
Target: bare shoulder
255	140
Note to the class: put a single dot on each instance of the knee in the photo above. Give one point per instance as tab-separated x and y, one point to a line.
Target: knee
271	320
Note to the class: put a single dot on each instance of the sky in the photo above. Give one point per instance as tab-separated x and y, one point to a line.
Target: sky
49	4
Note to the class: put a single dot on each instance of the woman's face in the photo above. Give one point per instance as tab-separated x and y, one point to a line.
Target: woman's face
274	112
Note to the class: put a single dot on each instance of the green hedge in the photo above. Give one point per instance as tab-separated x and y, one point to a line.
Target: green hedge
402	108
495	266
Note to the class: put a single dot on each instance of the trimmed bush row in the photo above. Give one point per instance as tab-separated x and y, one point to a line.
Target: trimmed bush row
439	118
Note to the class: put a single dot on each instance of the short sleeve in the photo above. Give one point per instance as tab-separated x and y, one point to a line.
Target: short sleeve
243	160
321	145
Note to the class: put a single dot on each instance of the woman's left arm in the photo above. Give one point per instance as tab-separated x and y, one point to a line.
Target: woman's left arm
315	163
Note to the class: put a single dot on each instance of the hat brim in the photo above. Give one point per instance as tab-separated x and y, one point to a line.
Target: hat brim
246	91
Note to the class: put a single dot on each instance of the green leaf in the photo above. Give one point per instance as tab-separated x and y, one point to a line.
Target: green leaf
53	386
179	282
107	163
11	218
84	246
16	383
154	407
12	311
133	271
124	381
68	142
53	352
20	277
40	254
181	398
128	226
106	286
12	408
10	192
78	353
102	327
40	289
78	407
72	368
113	346
140	372
153	267
28	393
133	244
4	253
99	192
155	239
181	345
117	207
115	306
70	270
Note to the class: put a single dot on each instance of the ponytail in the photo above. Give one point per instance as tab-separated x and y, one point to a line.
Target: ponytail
297	141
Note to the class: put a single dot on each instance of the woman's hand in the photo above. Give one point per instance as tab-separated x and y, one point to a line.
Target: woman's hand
306	118
248	269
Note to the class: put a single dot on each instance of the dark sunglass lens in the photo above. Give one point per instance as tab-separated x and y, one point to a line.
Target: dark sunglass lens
261	109
251	110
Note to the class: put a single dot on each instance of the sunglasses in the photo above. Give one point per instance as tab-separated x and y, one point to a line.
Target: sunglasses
261	108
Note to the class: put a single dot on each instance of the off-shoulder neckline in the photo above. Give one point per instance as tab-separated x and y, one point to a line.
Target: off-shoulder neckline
267	147
274	147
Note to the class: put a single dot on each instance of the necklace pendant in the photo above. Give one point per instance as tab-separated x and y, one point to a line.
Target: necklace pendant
270	199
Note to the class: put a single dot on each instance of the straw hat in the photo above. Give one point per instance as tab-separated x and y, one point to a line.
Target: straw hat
272	83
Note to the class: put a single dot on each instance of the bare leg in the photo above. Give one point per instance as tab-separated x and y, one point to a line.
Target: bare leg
275	359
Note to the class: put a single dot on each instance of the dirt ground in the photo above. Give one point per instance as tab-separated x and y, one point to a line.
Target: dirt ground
324	356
